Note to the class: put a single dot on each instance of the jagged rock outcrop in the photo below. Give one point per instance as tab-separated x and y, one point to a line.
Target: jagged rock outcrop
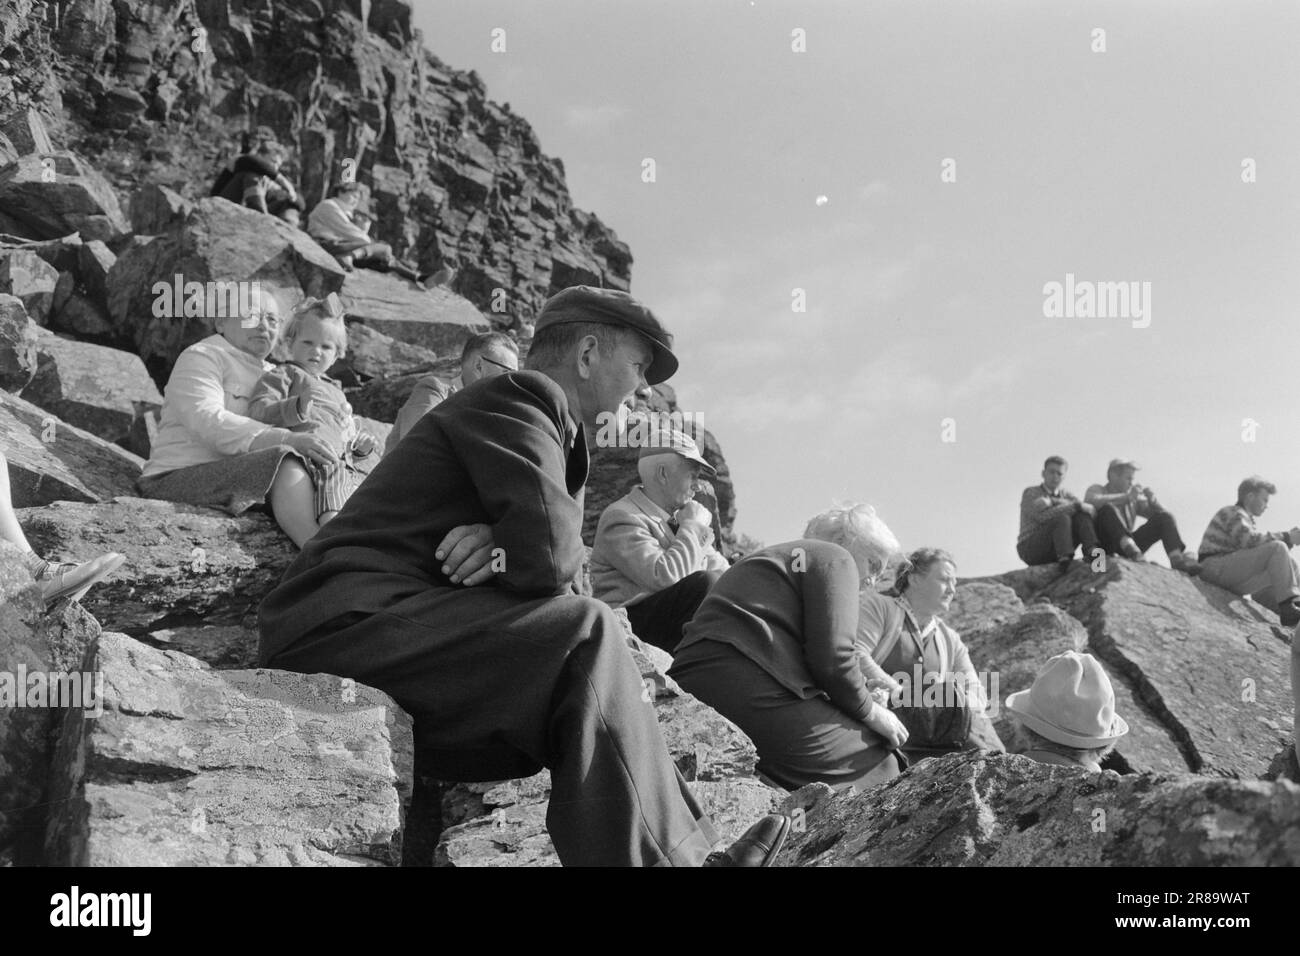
50	460
34	645
975	809
1202	676
435	319
106	391
185	567
49	196
29	278
218	242
372	354
187	766
162	91
18	335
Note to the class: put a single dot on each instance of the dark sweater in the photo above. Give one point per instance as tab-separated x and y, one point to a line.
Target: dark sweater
793	610
504	452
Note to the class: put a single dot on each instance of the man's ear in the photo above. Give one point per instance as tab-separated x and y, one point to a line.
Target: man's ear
588	350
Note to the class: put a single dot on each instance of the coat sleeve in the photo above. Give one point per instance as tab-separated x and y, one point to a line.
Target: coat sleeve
511	442
275	398
830	621
197	396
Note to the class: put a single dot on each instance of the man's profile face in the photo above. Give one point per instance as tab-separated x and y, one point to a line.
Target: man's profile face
616	377
683	480
1121	479
1053	475
1257	502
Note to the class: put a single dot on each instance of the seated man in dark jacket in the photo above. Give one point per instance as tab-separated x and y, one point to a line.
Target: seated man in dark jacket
519	673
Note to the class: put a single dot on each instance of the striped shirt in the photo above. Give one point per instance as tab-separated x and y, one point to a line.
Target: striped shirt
1233	529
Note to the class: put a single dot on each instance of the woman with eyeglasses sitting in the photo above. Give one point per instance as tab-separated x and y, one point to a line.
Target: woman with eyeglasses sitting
208	451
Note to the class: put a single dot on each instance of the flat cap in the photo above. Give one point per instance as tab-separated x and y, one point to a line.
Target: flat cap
584	303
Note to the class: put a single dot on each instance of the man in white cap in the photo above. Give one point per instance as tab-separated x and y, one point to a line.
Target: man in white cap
1119	503
1068	716
654	551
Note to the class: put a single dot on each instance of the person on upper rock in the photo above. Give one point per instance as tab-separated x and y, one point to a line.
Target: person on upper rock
653	553
300	396
56	580
247	180
1119	503
484	356
332	226
940	692
1237	556
772	649
209	452
1068	716
449	581
1053	522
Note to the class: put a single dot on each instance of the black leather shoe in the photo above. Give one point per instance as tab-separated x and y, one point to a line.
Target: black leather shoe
758	847
1289	612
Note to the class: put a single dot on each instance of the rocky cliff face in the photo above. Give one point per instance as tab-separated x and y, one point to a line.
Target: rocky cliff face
161	92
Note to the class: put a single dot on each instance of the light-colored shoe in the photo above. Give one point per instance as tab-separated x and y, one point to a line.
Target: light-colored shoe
1186	562
72	581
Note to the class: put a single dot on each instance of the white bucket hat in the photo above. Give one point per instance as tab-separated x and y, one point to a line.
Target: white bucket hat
1072	702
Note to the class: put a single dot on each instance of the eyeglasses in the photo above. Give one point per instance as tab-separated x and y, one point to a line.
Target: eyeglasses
256	318
508	368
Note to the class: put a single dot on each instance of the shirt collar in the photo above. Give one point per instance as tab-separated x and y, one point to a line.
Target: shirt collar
642	501
220	341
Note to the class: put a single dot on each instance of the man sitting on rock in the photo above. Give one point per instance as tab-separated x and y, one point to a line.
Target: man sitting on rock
1237	556
1119	503
449	581
1068	716
247	180
654	553
331	225
1053	522
485	355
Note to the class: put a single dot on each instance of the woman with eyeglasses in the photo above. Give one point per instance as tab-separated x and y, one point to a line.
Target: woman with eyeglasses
209	452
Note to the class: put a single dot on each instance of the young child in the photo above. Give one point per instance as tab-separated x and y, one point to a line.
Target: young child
298	395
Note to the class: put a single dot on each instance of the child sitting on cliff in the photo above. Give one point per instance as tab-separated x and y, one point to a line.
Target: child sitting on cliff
298	395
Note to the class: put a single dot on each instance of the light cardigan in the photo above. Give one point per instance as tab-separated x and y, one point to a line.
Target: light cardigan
636	554
205	405
944	651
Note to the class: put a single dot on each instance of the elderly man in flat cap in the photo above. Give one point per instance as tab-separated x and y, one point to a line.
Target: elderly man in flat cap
1120	502
654	551
447	581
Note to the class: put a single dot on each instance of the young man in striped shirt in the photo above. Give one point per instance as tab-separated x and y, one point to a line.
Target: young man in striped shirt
1237	556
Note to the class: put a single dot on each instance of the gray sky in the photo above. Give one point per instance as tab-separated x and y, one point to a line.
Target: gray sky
924	298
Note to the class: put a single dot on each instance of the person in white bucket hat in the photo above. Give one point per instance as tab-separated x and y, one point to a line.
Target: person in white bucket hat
1068	716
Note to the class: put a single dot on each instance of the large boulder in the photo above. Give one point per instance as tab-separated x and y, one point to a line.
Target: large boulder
26	276
18	335
188	766
51	196
105	391
155	209
37	648
50	460
438	320
974	809
150	285
81	298
186	567
372	354
1207	665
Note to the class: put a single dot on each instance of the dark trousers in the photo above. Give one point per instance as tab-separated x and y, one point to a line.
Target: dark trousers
659	618
1159	527
799	740
501	686
1055	540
